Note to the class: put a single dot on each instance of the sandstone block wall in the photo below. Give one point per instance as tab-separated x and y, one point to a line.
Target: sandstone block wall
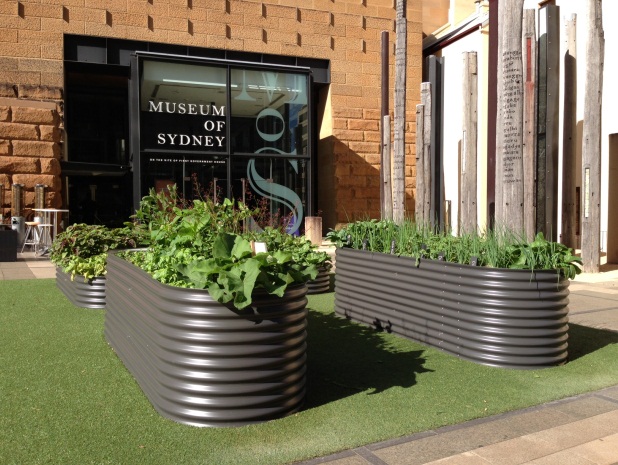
347	32
30	149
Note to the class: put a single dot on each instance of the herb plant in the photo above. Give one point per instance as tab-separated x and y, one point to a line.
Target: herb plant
497	249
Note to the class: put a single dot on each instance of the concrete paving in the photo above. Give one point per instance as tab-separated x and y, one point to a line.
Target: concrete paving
582	430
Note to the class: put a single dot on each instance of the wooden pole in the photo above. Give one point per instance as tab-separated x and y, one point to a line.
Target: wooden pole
399	155
386	194
529	124
468	209
313	229
569	137
509	127
423	156
419	199
591	151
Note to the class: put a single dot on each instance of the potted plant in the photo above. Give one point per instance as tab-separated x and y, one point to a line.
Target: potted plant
493	299
213	331
80	256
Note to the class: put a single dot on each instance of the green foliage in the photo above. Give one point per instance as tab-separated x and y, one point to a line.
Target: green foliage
199	245
497	248
81	250
301	248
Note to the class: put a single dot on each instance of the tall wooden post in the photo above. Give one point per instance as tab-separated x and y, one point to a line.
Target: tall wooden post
433	65
423	156
548	127
509	127
591	150
468	186
386	193
399	149
419	198
569	138
529	138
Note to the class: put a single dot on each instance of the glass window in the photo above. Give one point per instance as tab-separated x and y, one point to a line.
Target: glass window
183	107
276	186
269	112
195	176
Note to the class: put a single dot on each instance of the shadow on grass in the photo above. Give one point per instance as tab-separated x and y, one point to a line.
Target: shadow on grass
584	340
345	358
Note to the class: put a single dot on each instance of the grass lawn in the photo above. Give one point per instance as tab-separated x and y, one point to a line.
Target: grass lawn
66	398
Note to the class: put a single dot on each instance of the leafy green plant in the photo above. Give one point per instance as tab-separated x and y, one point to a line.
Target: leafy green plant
497	248
301	248
233	271
199	245
81	250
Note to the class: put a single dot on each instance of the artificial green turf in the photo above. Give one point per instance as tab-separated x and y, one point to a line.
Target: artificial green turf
66	398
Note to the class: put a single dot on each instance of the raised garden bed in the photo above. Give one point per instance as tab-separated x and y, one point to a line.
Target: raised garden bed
499	317
204	363
82	292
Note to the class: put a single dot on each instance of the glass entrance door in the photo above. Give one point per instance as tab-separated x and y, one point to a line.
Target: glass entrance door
219	127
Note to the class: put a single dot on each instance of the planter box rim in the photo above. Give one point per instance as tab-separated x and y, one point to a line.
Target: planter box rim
454	264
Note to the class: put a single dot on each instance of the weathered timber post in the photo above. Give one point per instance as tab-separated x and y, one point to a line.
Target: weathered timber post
569	138
386	193
509	127
399	148
468	185
423	156
548	127
591	150
434	67
419	198
313	229
529	137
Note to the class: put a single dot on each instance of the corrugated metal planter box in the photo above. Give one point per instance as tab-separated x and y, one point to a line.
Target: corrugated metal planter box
492	316
321	283
200	362
81	292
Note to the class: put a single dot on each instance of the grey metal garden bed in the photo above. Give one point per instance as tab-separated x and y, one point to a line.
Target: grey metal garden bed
499	317
203	363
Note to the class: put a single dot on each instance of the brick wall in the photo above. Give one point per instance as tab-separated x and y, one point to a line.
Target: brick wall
347	32
30	149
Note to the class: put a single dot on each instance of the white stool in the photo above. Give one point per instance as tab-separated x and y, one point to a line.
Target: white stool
32	236
45	237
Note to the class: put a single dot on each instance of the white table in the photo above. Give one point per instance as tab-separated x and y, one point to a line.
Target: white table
50	217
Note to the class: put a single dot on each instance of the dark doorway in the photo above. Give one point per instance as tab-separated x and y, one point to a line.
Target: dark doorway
97	166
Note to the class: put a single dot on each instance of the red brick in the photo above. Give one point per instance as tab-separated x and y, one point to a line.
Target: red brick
342	112
42	11
5	148
30	180
50	133
19	164
50	166
36	149
5	113
21	77
40	92
365	147
363	125
34	115
18	131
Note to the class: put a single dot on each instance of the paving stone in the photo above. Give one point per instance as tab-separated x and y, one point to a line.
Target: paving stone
601	451
516	451
586	407
578	432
